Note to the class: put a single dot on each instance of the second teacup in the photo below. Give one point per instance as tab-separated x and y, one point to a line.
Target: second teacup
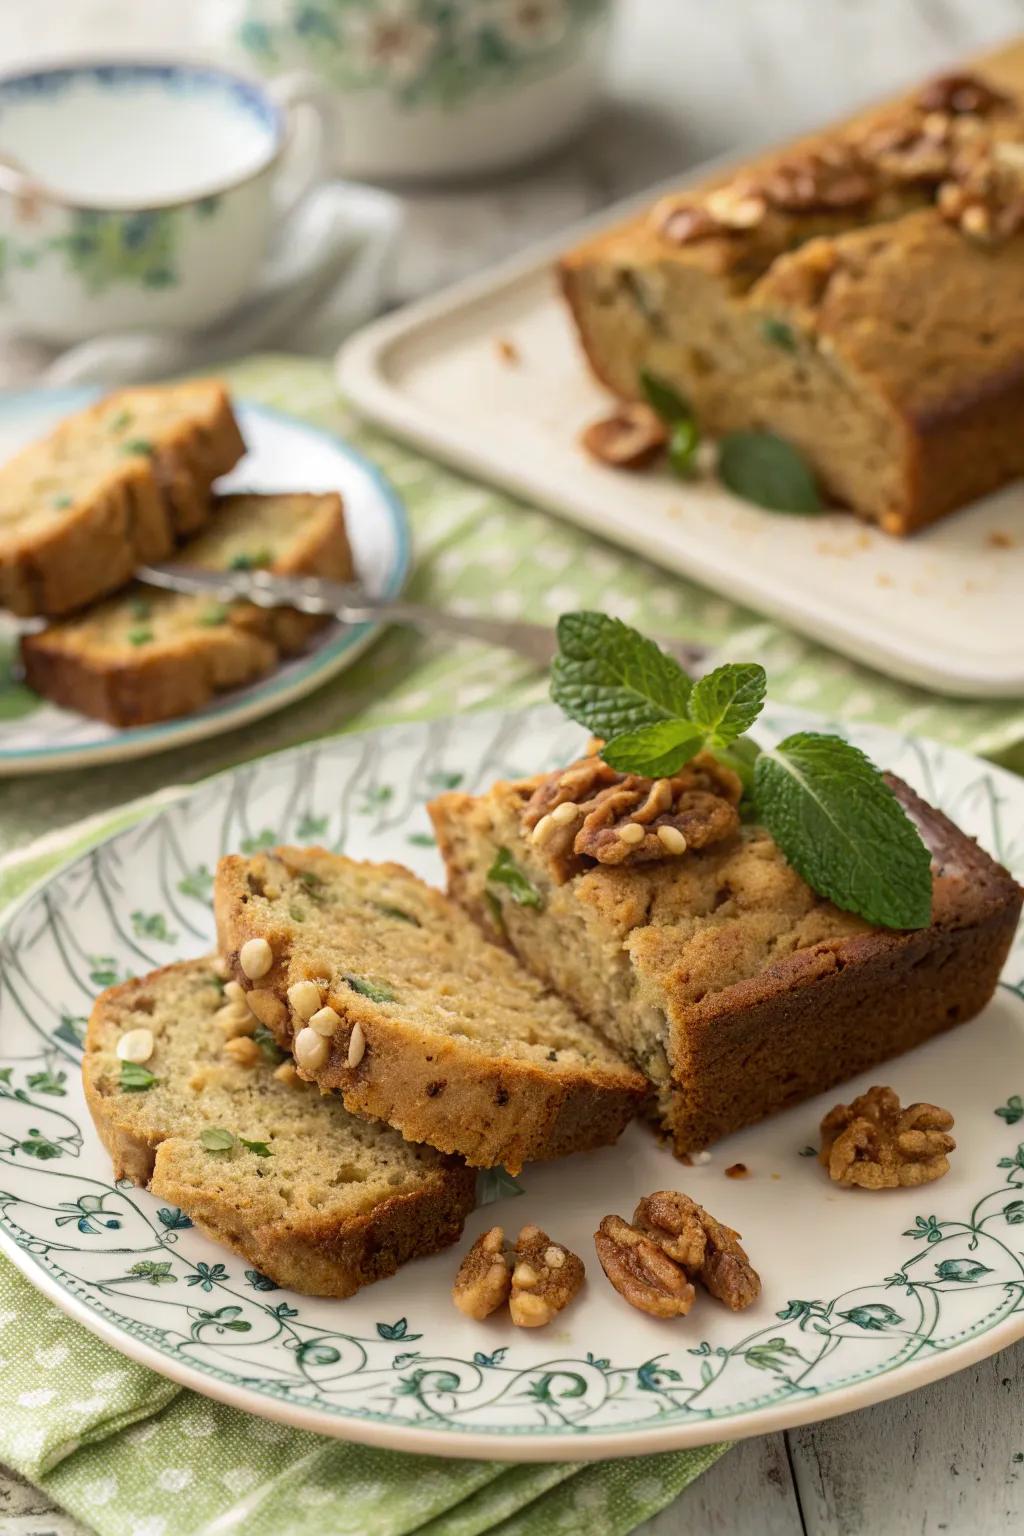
142	194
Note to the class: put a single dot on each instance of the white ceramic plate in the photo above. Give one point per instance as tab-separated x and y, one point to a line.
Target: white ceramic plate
939	609
864	1295
283	454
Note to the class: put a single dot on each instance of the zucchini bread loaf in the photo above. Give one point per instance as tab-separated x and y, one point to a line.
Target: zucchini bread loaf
314	1197
387	992
861	294
690	943
112	486
148	655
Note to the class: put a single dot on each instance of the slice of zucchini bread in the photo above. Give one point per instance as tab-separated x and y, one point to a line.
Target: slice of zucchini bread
861	293
708	961
148	655
386	991
320	1200
114	485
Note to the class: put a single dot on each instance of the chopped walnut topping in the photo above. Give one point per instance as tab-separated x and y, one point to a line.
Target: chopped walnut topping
629	438
960	93
708	1250
545	1278
641	1271
831	178
683	223
985	198
875	1144
484	1280
622	818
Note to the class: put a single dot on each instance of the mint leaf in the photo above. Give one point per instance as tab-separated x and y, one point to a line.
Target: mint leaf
258	1148
267	1044
506	873
843	830
726	702
611	679
767	470
656	750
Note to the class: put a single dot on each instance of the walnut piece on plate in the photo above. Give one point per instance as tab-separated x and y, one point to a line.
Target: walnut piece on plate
630	438
707	1249
640	1270
874	1143
545	1278
484	1280
590	811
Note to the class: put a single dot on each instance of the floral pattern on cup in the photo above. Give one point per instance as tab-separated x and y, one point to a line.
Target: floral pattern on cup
422	51
138	249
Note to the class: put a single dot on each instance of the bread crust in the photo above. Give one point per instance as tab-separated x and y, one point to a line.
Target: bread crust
925	359
143	506
490	1110
821	1015
316	1257
182	673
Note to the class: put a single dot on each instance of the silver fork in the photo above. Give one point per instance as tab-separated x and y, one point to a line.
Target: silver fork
353	605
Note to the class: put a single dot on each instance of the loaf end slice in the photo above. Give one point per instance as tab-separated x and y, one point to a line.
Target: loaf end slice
735	987
425	1023
327	1202
147	655
111	487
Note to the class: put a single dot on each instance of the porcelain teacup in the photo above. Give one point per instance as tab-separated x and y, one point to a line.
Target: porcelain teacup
142	194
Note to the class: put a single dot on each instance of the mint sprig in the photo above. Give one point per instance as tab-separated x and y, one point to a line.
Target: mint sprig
843	830
826	805
610	679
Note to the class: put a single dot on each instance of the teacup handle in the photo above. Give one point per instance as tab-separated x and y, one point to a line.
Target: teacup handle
310	123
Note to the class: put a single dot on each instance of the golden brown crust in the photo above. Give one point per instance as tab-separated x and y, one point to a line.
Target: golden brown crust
492	1108
319	1255
181	672
141	504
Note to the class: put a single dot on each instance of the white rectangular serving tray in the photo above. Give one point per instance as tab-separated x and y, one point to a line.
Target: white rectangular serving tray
944	609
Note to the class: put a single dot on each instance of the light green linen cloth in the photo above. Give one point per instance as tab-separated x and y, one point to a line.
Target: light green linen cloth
124	1450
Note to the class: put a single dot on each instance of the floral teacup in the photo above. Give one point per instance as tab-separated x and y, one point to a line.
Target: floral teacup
434	88
141	195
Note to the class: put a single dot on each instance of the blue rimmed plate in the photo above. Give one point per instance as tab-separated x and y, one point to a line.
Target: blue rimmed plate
865	1295
283	454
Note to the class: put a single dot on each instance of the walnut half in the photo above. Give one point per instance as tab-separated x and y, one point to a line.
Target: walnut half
484	1280
707	1249
590	811
874	1143
641	1271
545	1278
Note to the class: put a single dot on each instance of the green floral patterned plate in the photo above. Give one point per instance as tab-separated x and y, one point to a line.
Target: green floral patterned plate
283	454
864	1295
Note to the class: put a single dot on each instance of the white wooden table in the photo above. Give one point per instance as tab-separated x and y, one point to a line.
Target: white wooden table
689	79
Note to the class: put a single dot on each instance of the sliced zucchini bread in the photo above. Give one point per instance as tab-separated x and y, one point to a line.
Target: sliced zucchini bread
112	486
388	992
691	944
192	1108
147	655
